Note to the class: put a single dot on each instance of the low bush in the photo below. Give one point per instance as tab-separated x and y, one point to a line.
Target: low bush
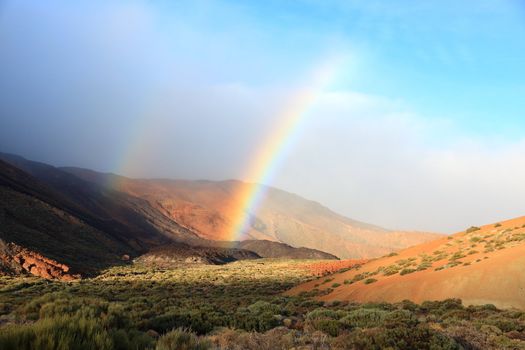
364	318
407	271
57	333
181	339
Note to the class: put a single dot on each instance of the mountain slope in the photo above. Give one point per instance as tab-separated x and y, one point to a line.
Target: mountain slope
269	249
130	218
54	219
480	266
209	209
34	217
55	234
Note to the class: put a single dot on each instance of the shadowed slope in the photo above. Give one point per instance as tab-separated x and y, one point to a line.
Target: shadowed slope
34	217
176	254
130	218
269	249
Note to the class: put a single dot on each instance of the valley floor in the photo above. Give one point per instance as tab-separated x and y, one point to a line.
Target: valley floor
234	306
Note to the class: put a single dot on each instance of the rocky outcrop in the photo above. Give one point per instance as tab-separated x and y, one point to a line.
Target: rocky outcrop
16	260
176	254
269	249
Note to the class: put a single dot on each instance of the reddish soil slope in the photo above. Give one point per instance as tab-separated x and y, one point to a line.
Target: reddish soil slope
484	265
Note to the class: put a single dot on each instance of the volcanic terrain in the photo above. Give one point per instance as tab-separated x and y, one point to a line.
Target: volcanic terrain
482	265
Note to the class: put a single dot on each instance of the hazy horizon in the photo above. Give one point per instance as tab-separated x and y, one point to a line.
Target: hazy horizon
421	127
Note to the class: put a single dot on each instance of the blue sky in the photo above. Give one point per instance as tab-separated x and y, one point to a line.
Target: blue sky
426	110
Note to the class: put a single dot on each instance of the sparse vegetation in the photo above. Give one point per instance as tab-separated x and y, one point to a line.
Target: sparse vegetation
407	271
235	306
390	270
473	229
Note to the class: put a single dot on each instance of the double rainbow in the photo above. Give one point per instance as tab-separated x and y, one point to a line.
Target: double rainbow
271	152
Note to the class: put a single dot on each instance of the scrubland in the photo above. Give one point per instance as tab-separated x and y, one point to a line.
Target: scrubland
234	306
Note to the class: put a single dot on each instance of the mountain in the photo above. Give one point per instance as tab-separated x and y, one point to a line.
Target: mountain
208	208
56	225
482	265
67	226
269	249
35	217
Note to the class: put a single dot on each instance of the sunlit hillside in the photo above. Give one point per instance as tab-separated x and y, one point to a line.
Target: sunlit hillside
482	265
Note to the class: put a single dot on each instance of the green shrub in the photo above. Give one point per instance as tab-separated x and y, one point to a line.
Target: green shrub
400	318
443	306
423	266
420	337
456	256
473	229
321	313
407	271
330	327
364	318
197	320
180	339
505	324
408	305
260	317
390	270
370	280
57	333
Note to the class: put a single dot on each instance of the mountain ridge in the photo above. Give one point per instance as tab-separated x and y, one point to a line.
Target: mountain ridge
209	208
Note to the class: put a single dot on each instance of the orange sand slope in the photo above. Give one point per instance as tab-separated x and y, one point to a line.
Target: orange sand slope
484	265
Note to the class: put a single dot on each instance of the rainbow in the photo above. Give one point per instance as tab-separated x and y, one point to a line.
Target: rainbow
274	149
271	153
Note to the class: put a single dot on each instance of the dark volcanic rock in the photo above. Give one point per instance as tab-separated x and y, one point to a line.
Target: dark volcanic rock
269	249
185	254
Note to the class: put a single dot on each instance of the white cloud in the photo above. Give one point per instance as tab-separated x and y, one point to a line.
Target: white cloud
373	159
